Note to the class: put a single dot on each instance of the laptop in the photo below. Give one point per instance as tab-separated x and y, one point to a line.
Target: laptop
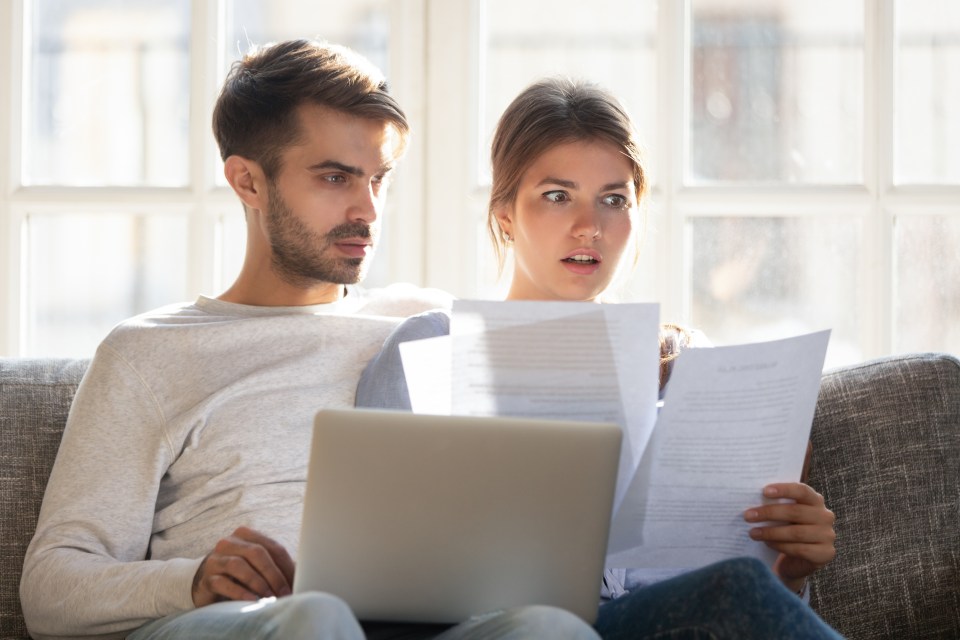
425	518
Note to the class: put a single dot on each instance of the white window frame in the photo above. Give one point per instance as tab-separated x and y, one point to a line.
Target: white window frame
435	221
455	250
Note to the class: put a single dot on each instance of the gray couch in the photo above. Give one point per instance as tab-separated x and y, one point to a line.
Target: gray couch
886	442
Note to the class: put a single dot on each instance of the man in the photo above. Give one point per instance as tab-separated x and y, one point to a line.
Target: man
175	501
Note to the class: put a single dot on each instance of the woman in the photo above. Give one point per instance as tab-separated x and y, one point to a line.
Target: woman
568	178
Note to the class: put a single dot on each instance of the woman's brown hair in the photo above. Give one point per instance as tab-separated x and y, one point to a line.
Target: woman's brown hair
547	113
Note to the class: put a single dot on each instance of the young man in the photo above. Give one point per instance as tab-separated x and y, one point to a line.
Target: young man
175	501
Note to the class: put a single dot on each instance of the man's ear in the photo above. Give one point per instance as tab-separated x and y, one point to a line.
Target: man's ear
247	180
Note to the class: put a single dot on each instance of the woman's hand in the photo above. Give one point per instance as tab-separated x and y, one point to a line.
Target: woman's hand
246	565
802	531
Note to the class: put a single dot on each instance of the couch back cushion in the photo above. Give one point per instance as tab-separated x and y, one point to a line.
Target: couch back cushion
886	457
35	395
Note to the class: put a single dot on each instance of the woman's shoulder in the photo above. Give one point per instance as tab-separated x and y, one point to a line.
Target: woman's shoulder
424	325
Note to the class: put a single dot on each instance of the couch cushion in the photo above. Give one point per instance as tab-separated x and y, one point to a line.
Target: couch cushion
886	440
35	395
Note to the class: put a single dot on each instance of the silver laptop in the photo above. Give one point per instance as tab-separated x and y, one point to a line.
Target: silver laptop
423	518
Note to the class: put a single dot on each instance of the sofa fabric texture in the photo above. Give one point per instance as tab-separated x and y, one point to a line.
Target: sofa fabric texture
886	442
886	439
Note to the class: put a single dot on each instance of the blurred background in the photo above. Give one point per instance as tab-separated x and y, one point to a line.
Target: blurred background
805	155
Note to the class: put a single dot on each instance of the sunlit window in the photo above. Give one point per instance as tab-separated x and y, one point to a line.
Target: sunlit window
108	93
928	92
804	155
776	91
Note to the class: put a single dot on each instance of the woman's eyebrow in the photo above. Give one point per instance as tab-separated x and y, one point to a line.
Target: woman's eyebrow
567	184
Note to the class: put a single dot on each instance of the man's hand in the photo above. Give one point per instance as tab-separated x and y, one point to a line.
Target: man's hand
246	565
803	531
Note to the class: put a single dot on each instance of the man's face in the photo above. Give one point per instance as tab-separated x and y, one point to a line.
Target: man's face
325	203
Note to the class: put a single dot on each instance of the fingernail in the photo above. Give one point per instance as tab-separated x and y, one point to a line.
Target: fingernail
756	534
751	515
771	492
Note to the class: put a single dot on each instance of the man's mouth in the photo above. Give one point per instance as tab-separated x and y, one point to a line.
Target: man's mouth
354	247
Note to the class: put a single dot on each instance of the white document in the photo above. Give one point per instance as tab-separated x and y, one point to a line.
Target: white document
426	367
565	360
734	419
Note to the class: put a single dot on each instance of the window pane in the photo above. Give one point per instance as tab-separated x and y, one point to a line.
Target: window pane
776	91
87	272
927	284
928	92
232	236
766	278
108	95
610	42
362	25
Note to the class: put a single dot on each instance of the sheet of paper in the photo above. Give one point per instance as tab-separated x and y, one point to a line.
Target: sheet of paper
426	366
734	419
565	360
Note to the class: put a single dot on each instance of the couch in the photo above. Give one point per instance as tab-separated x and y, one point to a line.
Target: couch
886	439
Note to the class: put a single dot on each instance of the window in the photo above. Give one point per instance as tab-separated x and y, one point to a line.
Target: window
806	171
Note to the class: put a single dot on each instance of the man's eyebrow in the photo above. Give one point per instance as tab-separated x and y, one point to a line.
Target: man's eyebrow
345	168
339	166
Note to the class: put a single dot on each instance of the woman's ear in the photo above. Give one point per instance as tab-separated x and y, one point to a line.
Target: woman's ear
247	180
504	217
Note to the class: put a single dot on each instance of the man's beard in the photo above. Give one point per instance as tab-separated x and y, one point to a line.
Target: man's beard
303	257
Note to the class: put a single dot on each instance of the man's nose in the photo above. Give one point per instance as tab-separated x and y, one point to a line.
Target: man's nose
366	206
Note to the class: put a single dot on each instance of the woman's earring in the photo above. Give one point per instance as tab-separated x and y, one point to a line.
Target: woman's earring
507	238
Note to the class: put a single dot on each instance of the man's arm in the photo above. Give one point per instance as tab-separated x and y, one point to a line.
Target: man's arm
86	571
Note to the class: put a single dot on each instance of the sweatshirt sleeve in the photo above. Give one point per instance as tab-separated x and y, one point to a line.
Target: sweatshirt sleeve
86	571
382	384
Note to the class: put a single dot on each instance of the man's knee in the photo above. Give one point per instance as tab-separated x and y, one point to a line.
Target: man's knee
312	615
538	621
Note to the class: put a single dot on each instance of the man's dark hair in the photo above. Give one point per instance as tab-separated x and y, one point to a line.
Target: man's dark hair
256	113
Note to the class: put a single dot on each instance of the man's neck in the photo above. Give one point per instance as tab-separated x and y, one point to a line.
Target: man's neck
283	295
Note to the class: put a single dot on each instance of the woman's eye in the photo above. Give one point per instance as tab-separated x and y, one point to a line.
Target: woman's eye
556	196
615	200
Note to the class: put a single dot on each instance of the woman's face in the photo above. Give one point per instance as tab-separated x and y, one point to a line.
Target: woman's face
571	221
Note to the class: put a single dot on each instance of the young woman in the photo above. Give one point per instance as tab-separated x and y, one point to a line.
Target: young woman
568	178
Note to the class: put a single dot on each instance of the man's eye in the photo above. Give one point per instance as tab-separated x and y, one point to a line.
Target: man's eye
335	178
556	196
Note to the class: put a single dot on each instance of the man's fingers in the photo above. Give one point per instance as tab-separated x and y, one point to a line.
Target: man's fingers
252	565
281	558
239	570
245	565
224	588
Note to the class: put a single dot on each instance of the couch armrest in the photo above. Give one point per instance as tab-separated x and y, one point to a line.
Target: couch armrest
35	396
886	457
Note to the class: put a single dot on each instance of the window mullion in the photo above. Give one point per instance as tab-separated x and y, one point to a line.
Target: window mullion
11	81
879	65
673	286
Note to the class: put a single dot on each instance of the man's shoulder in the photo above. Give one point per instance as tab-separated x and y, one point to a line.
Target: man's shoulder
404	299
